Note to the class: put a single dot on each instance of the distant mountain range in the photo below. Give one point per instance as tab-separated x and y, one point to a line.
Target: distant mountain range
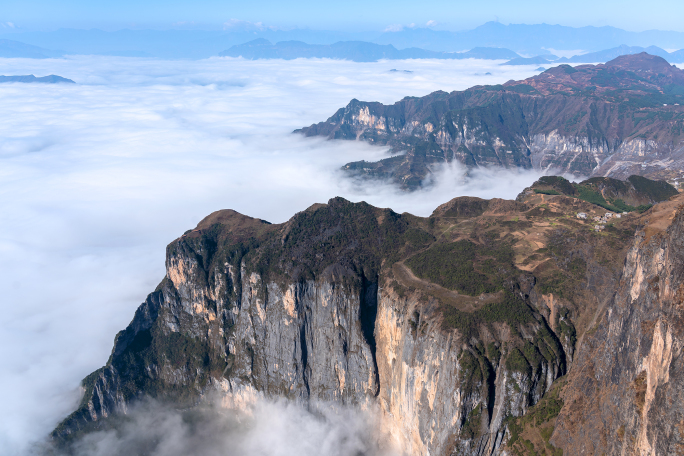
601	56
501	44
16	49
531	60
536	39
51	79
609	54
363	51
616	119
527	40
357	51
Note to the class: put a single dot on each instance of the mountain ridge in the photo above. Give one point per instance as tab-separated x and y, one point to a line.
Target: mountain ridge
530	40
16	49
50	79
357	51
612	120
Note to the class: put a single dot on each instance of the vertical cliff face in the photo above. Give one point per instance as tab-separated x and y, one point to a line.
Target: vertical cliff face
346	303
441	396
625	392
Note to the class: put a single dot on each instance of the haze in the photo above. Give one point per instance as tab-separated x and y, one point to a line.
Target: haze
351	15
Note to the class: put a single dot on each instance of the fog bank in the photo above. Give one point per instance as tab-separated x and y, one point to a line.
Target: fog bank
264	428
97	177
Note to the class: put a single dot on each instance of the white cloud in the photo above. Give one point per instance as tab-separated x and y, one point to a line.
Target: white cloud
234	25
97	177
398	27
273	428
431	23
394	28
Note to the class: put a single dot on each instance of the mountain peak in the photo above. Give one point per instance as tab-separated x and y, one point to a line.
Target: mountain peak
643	62
638	74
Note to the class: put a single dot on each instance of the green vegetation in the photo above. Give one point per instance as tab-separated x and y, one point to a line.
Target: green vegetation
538	423
566	327
413	322
547	192
173	350
473	423
493	352
567	69
511	310
522	88
657	190
516	362
452	266
471	373
557	283
559	183
589	191
464	266
355	236
590	195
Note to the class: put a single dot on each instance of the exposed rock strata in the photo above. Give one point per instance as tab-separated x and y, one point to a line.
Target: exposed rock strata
324	307
615	119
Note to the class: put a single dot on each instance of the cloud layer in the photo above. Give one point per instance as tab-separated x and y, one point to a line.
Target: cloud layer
96	178
264	428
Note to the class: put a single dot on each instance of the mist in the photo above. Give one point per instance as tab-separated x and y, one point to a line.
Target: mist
96	178
264	427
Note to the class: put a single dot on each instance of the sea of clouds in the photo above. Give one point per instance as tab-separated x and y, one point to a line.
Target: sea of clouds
97	177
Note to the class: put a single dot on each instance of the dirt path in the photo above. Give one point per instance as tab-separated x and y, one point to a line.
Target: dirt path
462	302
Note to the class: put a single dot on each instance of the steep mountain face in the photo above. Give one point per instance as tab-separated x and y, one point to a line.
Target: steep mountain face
624	394
451	325
615	119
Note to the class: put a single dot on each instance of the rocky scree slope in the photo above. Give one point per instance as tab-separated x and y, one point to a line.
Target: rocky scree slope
615	119
451	325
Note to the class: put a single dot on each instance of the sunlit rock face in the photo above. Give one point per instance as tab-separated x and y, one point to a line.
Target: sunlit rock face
625	392
615	119
344	304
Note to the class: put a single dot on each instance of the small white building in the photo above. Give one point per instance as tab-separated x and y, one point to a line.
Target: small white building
582	215
608	215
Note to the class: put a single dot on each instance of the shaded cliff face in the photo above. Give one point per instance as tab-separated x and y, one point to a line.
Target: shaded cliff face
615	119
624	394
448	325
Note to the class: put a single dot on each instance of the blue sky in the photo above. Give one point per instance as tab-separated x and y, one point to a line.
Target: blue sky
348	15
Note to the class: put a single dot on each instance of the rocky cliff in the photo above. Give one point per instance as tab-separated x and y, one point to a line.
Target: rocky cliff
625	393
450	325
613	120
